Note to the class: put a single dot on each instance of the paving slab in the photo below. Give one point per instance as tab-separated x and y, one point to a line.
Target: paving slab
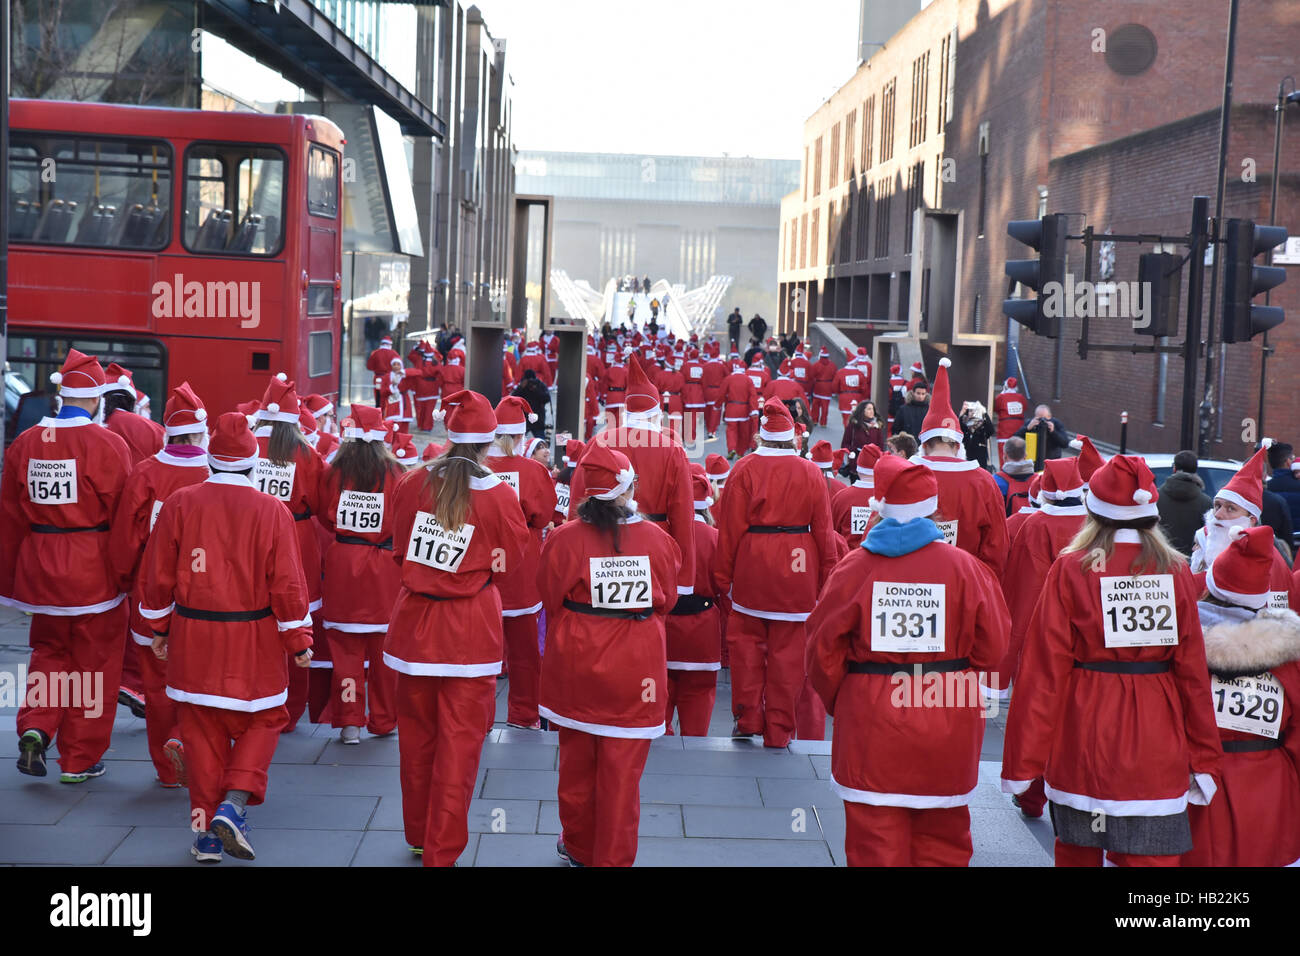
755	823
771	763
388	848
657	819
716	790
485	815
37	804
514	849
59	845
657	851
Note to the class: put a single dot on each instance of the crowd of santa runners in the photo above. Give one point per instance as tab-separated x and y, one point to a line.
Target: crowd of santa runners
235	571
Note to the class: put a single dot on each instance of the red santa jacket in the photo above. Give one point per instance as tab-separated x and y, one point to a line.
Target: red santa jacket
851	513
537	362
693	384
1017	520
298	484
150	484
774	575
1158	728
801	372
663	490
532	483
1010	409
823	378
971	512
615	385
759	376
509	374
694	626
379	363
912	740
605	675
671	384
739	397
60	486
715	372
447	618
785	389
852	385
360	578
452	378
143	436
222	547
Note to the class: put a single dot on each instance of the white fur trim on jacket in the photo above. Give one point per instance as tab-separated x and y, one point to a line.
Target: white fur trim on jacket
228	703
1251	646
55	611
346	627
603	730
914	801
522	611
968	464
426	669
693	666
770	615
1119	808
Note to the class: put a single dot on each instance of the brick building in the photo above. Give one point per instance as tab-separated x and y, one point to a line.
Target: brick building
1007	109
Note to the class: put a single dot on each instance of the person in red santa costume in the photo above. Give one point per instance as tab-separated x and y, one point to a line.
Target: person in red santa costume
143	437
775	528
289	469
379	363
521	603
663	493
851	385
322	409
1117	647
909	722
456	525
1253	653
360	579
608	579
426	378
822	378
740	405
569	458
715	373
823	456
452	378
1009	409
801	372
695	631
510	374
182	462
225	622
785	388
693	400
1017	519
615	389
399	396
671	383
972	514
535	360
60	486
852	511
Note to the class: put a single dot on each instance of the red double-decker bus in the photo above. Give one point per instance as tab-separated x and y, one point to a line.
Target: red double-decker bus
185	244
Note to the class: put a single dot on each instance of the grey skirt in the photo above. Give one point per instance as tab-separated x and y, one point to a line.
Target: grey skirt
1148	836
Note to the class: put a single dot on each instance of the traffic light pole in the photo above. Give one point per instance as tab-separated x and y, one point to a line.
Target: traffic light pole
4	196
1189	431
1278	119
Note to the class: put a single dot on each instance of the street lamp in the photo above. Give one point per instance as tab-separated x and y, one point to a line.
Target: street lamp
1284	99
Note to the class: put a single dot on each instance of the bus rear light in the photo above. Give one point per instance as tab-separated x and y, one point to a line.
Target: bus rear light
338	282
304	280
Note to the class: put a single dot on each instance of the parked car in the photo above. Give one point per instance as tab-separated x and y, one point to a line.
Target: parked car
1215	472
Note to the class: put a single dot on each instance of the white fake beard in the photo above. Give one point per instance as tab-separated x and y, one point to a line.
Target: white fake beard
1218	535
631	505
98	417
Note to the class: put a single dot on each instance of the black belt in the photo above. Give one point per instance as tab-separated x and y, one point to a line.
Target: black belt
655	517
606	611
691	604
890	667
1250	746
55	529
302	517
224	616
452	597
1126	667
386	544
779	529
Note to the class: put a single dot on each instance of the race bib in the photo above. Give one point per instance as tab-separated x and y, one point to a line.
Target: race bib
153	515
52	481
949	529
621	582
562	499
800	372
859	515
360	511
1279	600
1015	408
434	546
1252	705
274	480
511	478
757	380
697	372
851	381
907	618
1139	612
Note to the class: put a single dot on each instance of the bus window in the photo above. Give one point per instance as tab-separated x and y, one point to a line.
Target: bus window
86	191
322	183
320	353
234	199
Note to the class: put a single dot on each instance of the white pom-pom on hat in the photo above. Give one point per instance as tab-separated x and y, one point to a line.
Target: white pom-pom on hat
439	414
281	376
1076	444
1235	532
273	407
123	380
532	416
875	504
201	414
1142	496
1266	443
945	362
56	377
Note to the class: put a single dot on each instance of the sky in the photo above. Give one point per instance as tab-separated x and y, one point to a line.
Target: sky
672	77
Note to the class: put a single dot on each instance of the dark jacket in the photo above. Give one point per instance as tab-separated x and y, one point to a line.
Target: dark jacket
757	328
1182	506
909	418
976	433
856	436
1277	516
1286	486
1058	439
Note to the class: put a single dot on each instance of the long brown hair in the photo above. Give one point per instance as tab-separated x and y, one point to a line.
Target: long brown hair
363	465
1097	538
286	442
447	479
605	516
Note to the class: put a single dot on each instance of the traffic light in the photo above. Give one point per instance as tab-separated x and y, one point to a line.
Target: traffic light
1047	236
1243	280
1160	276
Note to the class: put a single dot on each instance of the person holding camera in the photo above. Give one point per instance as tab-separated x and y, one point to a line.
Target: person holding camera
1058	439
977	429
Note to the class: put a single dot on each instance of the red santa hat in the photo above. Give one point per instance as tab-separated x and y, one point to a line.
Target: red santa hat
641	397
867	458
118	379
895	370
328	445
364	423
531	446
386	341
1246	488
1089	459
404	450
784	368
776	423
606	472
1242	571
513	415
318	405
824	353
232	447
1010	384
307	422
280	401
717	467
917	369
904	491
1061	479
940	420
850	356
431	451
1036	488
572	452
1123	489
701	491
822	455
184	413
837	458
81	376
470	419
862	357
249	408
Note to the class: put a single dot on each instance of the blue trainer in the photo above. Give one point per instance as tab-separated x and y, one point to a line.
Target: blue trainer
207	849
232	829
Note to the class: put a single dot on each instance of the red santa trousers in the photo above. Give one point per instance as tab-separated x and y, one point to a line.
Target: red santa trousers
712	416
809	714
160	711
600	796
767	674
424	413
1067	854
691	694
524	665
226	750
299	684
72	681
440	733
1034	799
903	836
820	408
132	678
356	688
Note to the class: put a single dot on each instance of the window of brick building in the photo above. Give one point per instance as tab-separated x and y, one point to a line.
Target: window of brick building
868	130
850	122
803	241
915	200
887	121
812	252
947	82
882	218
920	98
846	227
860	229
834	178
817	168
